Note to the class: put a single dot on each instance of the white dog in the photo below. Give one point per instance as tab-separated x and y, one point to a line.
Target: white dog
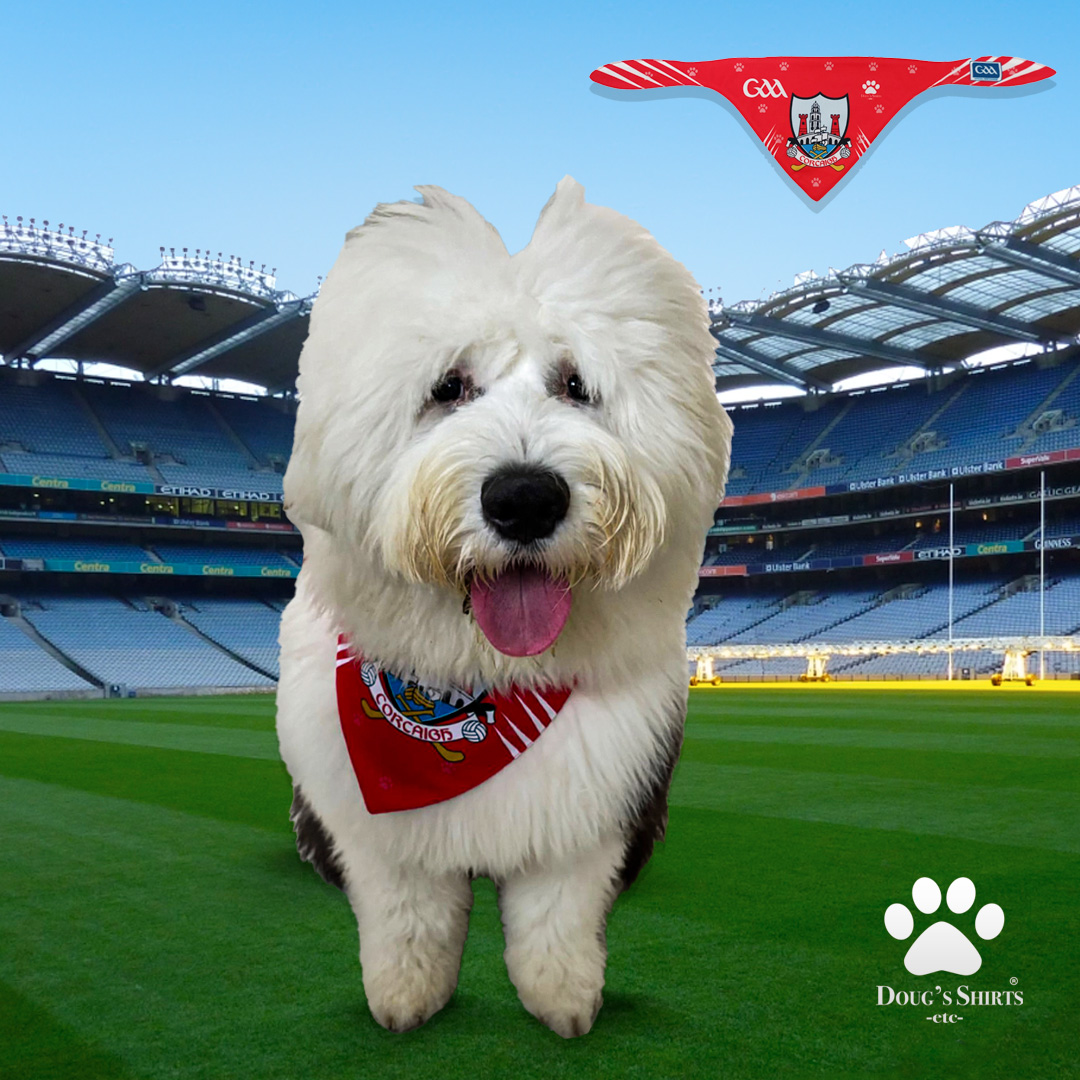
504	470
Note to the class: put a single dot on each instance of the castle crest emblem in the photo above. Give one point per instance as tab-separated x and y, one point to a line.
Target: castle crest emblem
819	131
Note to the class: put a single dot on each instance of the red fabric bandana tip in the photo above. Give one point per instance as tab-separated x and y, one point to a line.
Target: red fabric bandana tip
818	115
412	745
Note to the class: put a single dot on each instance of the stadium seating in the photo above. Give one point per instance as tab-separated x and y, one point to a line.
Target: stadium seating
223	556
26	668
121	642
43	547
264	430
729	616
981	609
47	419
864	435
246	627
189	445
233	442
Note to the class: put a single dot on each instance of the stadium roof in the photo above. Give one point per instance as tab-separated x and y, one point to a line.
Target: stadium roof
952	294
65	296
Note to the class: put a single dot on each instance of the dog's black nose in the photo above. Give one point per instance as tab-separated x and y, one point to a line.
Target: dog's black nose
524	503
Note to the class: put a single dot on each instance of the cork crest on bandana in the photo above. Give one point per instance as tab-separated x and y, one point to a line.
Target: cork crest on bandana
412	744
817	116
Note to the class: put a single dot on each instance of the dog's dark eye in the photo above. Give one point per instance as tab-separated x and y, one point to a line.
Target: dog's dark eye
447	389
575	389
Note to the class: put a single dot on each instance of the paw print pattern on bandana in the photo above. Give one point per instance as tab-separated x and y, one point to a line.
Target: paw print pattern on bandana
871	86
879	108
912	68
828	65
872	65
783	65
691	71
941	946
763	107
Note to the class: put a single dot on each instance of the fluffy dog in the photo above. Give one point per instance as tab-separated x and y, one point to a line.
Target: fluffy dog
504	469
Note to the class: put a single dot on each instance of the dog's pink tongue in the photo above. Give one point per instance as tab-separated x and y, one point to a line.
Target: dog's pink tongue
522	611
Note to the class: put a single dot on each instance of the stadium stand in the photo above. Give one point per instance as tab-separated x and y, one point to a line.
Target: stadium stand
835	529
224	556
47	548
246	627
26	668
869	434
125	642
183	438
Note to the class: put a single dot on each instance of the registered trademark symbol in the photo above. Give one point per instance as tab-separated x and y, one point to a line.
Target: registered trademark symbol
1014	980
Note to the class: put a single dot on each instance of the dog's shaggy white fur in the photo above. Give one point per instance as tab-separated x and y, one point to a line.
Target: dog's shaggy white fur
385	482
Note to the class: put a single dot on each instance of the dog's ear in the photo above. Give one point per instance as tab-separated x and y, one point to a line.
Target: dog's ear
406	269
602	276
301	482
583	257
460	225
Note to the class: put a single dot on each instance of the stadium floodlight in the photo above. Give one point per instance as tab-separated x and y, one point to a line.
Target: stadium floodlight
216	273
1067	198
34	243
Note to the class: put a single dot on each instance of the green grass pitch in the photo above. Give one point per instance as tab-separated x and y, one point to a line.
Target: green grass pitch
155	921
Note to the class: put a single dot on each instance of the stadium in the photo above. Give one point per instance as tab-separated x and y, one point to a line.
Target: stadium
922	528
901	524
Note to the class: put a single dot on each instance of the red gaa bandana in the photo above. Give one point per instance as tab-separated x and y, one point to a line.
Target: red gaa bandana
412	745
816	115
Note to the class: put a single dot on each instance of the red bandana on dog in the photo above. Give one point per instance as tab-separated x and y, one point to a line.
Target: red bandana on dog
412	745
817	115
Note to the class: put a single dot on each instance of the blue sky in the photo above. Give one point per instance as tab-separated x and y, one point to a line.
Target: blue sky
268	129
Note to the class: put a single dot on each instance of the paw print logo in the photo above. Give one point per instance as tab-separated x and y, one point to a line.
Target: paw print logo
763	107
816	181
941	947
872	66
691	71
871	86
879	108
783	65
828	65
912	68
738	67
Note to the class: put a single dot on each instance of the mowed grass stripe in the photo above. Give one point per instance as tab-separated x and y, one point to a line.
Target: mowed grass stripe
1067	745
900	710
226	788
250	712
261	745
1015	816
35	1047
955	769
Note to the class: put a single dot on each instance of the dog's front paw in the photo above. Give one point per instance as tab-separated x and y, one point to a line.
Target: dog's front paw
562	1013
403	999
562	992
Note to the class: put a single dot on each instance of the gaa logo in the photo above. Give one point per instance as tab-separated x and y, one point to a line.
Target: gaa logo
764	88
985	71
